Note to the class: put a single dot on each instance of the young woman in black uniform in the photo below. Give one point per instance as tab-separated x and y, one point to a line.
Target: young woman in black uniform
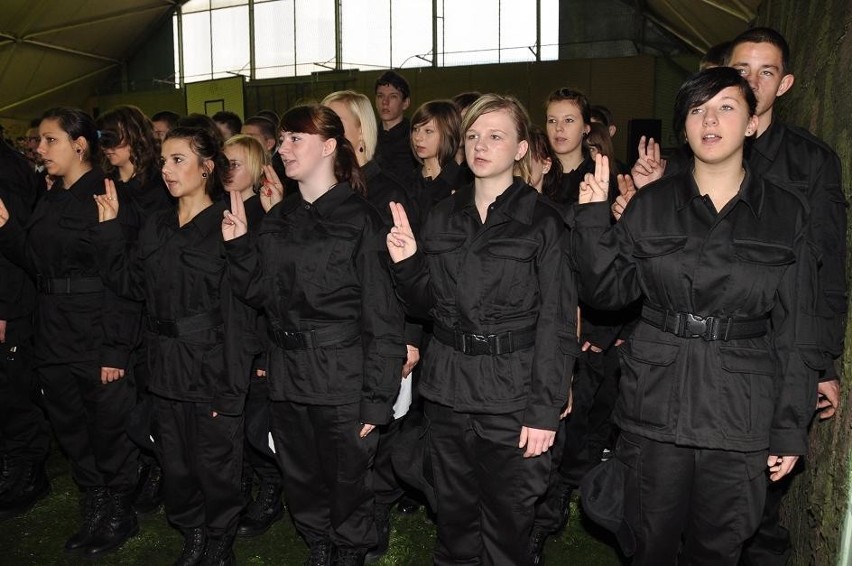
715	387
435	136
198	357
489	269
319	272
131	159
85	334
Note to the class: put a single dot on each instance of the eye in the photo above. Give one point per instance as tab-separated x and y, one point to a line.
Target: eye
496	137
727	107
429	131
551	120
162	161
472	136
695	111
767	73
742	70
570	120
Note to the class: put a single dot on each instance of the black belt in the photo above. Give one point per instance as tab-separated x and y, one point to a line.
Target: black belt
185	325
314	338
69	285
485	344
688	325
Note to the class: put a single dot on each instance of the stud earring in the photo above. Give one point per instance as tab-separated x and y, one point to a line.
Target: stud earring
204	175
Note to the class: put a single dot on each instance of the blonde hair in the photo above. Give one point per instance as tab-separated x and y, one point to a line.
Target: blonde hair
362	108
256	155
493	102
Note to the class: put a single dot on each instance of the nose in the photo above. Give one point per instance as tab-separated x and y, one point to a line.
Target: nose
710	116
42	147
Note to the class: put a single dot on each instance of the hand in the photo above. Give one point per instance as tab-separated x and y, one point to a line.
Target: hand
234	223
4	214
537	441
214	414
618	342
260	372
108	375
780	466
411	361
107	202
272	190
626	190
2	331
595	188
649	166
400	240
366	429
589	346
569	406
828	398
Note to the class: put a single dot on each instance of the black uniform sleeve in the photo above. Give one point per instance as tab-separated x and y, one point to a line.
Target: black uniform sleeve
118	265
244	271
413	285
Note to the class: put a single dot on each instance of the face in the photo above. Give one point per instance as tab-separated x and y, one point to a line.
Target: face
565	126
118	156
257	133
426	140
303	154
225	130
56	148
716	130
390	103
762	67
491	145
351	124
32	141
182	168
241	178
161	128
538	169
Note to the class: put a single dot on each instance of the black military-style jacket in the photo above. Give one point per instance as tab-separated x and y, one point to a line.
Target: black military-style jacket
427	192
56	243
147	198
393	151
793	158
180	272
508	274
322	267
748	261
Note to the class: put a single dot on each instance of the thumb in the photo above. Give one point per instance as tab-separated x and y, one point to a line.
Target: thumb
524	434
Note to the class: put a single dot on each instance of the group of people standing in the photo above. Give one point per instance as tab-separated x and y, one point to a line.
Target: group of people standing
264	315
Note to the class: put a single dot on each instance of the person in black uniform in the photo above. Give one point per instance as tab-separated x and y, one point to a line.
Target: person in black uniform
488	269
716	385
359	124
393	152
131	160
24	433
84	333
319	272
435	135
248	159
197	354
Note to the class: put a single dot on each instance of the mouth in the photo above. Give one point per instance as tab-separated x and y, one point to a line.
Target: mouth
710	138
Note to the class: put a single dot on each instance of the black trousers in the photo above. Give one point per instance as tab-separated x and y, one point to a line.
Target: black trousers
327	470
88	418
486	489
202	460
709	499
24	432
386	482
770	546
258	460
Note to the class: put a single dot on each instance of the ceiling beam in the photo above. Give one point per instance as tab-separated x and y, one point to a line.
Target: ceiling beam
95	21
56	88
742	14
77	52
697	34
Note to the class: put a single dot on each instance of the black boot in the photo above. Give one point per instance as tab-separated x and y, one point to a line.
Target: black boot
219	551
119	525
564	508
94	507
150	497
194	541
27	485
320	555
263	511
382	517
348	557
537	540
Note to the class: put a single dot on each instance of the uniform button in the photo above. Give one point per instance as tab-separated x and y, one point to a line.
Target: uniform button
307	207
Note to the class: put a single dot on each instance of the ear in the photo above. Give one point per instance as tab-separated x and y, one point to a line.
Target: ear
80	144
612	130
548	163
270	144
328	147
586	129
751	128
405	104
786	84
208	165
523	146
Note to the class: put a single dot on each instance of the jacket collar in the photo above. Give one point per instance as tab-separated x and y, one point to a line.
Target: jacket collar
769	143
334	197
751	191
207	221
517	202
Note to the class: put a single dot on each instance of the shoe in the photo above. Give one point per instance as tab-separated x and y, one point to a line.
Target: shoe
219	551
118	527
25	488
382	518
564	508
320	555
408	506
262	512
348	557
149	498
194	541
94	507
537	540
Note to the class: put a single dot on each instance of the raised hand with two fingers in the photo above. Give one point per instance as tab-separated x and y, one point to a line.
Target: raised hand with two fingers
107	202
400	241
650	166
272	190
626	190
595	188
234	222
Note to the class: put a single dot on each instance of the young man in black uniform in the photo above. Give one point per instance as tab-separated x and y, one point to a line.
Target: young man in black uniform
24	434
393	152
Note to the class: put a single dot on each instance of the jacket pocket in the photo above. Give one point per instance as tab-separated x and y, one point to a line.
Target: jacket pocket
647	384
509	263
444	253
752	251
658	246
746	400
332	266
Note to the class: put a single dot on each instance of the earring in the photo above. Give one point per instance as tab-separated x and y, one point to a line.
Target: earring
360	149
204	175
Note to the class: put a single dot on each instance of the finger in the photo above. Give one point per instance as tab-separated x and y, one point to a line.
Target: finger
104	379
121	373
394	213
523	439
604	177
238	208
271	175
585	346
641	168
642	147
214	414
655	151
111	193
